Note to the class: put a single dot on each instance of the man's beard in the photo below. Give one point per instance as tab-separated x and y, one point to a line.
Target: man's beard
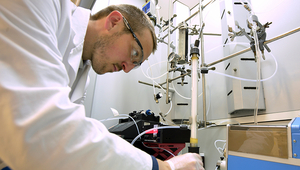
99	57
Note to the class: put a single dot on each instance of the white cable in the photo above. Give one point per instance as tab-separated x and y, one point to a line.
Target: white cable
159	148
158	76
232	43
160	86
116	118
169	109
187	98
139	133
244	79
206	127
171	105
258	80
178	92
219	148
156	82
137	130
150	66
149	130
152	80
144	73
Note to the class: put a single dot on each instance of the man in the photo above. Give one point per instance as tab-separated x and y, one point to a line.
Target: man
47	48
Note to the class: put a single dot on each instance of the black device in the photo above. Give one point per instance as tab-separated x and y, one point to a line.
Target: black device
168	139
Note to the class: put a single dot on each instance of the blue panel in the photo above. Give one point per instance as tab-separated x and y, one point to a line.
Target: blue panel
296	125
238	163
296	145
295	129
146	7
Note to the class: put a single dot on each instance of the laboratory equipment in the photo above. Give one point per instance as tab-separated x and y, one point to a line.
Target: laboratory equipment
263	147
150	9
240	95
183	44
161	143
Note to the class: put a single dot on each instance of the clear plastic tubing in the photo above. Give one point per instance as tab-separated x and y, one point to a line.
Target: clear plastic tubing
244	79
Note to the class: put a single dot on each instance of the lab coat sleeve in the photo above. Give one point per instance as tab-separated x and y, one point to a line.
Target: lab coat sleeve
40	127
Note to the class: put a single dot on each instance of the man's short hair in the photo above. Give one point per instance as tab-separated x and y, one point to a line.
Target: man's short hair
137	19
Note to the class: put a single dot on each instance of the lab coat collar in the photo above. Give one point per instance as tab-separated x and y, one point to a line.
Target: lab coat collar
80	19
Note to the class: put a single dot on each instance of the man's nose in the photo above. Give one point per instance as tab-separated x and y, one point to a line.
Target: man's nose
126	67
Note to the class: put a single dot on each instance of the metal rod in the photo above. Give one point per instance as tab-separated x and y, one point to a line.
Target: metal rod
248	49
283	35
202	64
156	86
181	3
170	80
187	20
214	34
167	28
181	23
228	57
194	6
169	44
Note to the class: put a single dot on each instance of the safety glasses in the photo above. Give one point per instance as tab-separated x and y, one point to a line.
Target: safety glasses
136	58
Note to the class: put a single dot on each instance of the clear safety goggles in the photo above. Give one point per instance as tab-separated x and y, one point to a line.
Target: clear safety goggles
136	55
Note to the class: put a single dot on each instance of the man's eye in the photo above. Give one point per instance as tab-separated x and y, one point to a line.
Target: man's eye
134	53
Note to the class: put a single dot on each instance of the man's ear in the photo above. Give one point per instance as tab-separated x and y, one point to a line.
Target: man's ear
113	20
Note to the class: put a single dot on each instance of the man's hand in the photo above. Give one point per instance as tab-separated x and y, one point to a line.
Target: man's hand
188	161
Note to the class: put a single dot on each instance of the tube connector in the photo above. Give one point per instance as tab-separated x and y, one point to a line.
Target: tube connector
157	97
204	70
194	149
194	140
194	51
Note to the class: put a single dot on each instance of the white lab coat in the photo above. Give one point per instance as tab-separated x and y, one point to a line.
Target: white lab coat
40	125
